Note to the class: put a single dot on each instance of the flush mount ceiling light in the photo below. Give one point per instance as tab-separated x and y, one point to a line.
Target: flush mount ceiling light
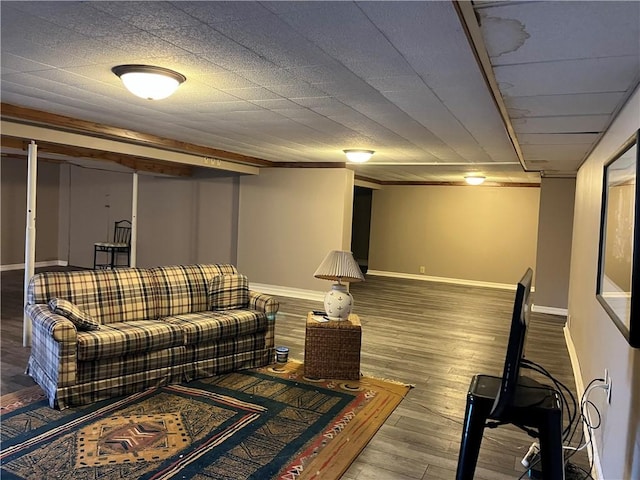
474	179
358	156
149	82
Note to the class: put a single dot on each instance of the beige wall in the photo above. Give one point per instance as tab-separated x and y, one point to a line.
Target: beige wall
290	218
97	199
13	175
180	220
598	343
485	234
187	220
554	242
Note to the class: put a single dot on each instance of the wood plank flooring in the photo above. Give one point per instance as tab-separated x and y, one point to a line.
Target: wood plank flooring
435	336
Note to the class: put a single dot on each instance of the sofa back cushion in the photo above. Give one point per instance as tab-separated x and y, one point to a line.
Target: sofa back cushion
184	288
107	296
228	292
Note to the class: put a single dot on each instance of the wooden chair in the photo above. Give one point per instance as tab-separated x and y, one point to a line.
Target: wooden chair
121	245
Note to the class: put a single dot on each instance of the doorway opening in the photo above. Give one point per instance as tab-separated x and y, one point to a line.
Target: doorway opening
361	226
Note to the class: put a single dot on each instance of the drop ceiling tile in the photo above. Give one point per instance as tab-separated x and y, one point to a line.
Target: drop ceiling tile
271	76
556	138
567	166
594	75
397	83
225	80
235	58
18	26
325	73
222	108
574	151
568	124
142	44
79	16
346	89
550	105
343	31
223	12
427	110
199	38
161	15
255	93
297	91
273	40
69	78
292	6
21	64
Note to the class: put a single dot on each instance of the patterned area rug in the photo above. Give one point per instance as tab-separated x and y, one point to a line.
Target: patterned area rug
256	424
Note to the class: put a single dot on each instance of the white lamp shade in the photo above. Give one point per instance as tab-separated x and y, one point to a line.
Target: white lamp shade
339	265
149	82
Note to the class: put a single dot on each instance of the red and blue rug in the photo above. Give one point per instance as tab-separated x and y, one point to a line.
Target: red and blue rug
256	424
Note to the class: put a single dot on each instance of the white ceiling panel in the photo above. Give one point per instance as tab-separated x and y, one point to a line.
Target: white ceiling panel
556	138
592	75
568	124
556	152
578	104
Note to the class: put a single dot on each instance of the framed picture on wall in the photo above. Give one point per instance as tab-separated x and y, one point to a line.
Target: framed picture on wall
618	289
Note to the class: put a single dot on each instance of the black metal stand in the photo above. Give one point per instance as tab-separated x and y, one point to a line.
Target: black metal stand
535	406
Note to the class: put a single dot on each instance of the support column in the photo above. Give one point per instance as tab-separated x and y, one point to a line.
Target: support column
134	221
30	235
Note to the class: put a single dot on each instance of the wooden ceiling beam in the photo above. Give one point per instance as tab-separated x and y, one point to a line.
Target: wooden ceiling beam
131	161
52	120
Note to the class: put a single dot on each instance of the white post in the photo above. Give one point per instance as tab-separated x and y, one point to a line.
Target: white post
134	220
30	235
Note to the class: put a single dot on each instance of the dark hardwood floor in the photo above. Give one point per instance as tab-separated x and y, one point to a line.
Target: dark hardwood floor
435	336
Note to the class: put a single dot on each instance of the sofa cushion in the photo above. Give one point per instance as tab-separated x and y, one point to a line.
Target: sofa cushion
124	338
212	326
183	288
69	310
108	296
228	292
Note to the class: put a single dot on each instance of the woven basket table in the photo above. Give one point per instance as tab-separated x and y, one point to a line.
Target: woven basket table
332	349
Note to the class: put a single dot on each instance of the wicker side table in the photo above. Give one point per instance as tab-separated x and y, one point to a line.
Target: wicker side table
332	349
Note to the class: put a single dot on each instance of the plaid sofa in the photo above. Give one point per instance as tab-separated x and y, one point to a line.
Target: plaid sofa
99	334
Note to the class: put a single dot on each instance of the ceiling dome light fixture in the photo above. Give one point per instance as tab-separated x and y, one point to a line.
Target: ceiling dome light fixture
358	156
149	82
474	179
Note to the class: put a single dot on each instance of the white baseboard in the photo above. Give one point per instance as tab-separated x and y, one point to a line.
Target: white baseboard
428	278
20	266
563	312
577	375
288	291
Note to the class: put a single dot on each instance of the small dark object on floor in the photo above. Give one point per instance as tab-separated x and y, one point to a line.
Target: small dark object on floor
571	472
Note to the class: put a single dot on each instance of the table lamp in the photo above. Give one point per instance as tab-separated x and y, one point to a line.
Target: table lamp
339	265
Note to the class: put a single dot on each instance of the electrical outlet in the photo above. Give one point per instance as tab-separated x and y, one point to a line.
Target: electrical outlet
607	382
421	268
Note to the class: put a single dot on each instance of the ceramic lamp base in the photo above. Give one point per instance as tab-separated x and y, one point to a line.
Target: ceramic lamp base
338	302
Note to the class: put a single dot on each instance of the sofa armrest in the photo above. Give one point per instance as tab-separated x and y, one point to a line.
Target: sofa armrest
53	346
45	322
264	303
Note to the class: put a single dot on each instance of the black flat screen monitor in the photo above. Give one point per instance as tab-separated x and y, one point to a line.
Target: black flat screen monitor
515	347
